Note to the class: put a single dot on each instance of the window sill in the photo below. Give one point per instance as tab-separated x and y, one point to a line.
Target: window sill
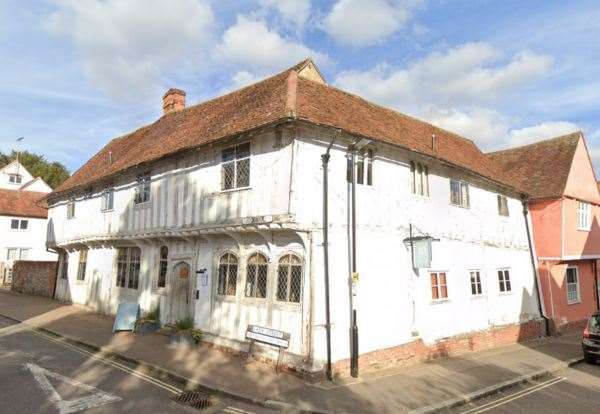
505	293
420	197
582	229
575	302
439	301
107	211
460	206
478	296
233	190
226	298
141	205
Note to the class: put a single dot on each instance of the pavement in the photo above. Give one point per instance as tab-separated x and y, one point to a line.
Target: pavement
421	388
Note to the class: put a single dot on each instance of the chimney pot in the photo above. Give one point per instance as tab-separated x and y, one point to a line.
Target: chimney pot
173	100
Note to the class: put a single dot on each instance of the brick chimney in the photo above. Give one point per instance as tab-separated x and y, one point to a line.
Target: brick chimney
173	100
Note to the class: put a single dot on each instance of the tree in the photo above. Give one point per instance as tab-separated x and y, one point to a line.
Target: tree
53	173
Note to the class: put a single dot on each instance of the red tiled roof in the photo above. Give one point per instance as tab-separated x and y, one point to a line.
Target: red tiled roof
280	98
22	204
540	169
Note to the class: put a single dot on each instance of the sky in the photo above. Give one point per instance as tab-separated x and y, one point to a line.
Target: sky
77	73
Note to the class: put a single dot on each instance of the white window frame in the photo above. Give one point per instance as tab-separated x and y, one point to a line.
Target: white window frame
12	249
438	286
71	209
584	215
143	189
419	179
19	224
235	161
132	268
14	178
107	200
82	265
572	301
502	205
477	283
364	167
503	279
465	198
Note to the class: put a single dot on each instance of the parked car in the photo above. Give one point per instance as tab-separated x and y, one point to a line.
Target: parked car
591	339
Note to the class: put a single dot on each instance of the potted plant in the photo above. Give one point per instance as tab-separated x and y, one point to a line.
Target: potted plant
185	333
148	323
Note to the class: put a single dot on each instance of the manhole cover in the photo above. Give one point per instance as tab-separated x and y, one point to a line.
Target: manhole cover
194	399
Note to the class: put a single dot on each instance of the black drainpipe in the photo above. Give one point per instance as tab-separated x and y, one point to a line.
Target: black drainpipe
325	159
535	279
596	295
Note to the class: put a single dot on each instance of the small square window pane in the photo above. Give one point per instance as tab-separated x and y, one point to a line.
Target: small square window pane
14	224
243	151
24	224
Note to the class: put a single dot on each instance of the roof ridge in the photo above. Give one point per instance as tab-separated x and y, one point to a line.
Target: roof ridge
537	143
397	112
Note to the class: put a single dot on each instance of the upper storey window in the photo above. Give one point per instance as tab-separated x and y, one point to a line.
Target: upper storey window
459	193
584	213
419	178
71	209
107	200
15	178
142	189
502	205
235	167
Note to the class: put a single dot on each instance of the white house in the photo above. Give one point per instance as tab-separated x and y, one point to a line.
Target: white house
215	211
22	219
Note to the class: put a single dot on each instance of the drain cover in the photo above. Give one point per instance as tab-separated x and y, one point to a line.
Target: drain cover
194	399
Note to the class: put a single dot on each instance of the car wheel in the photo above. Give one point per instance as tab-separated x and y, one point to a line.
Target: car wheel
590	359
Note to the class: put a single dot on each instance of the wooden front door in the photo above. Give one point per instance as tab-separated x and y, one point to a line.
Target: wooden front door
180	292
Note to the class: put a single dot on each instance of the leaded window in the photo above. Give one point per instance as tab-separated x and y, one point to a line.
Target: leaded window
235	167
439	286
81	268
289	279
142	189
128	267
502	205
108	198
256	276
162	267
228	268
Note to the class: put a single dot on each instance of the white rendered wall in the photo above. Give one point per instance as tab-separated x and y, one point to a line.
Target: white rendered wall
394	302
33	238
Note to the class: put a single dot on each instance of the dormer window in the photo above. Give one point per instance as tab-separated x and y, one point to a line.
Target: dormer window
15	178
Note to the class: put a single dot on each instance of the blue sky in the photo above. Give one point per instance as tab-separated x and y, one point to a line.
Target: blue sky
76	73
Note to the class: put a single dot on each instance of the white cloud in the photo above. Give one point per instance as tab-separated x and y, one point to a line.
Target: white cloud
251	44
293	11
466	74
127	46
491	130
362	23
541	131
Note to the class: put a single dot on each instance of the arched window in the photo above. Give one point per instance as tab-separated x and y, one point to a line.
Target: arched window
256	276
289	279
162	267
228	266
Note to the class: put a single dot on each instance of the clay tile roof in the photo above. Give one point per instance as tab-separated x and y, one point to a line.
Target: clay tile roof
22	204
540	169
278	99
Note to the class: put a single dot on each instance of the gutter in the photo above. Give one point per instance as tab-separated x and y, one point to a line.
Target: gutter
534	268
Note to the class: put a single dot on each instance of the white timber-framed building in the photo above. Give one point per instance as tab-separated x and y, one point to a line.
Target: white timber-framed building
215	212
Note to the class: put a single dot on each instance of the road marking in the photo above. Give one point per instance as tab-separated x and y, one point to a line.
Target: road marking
515	396
94	400
141	375
235	410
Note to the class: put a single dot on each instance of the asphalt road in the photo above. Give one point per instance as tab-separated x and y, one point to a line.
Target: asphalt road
573	390
39	374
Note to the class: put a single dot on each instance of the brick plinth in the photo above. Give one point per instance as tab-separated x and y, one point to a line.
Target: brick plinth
418	351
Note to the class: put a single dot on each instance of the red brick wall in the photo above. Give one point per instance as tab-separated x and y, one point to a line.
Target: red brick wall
417	351
34	278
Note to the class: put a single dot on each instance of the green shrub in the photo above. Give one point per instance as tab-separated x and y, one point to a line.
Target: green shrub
196	335
185	324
